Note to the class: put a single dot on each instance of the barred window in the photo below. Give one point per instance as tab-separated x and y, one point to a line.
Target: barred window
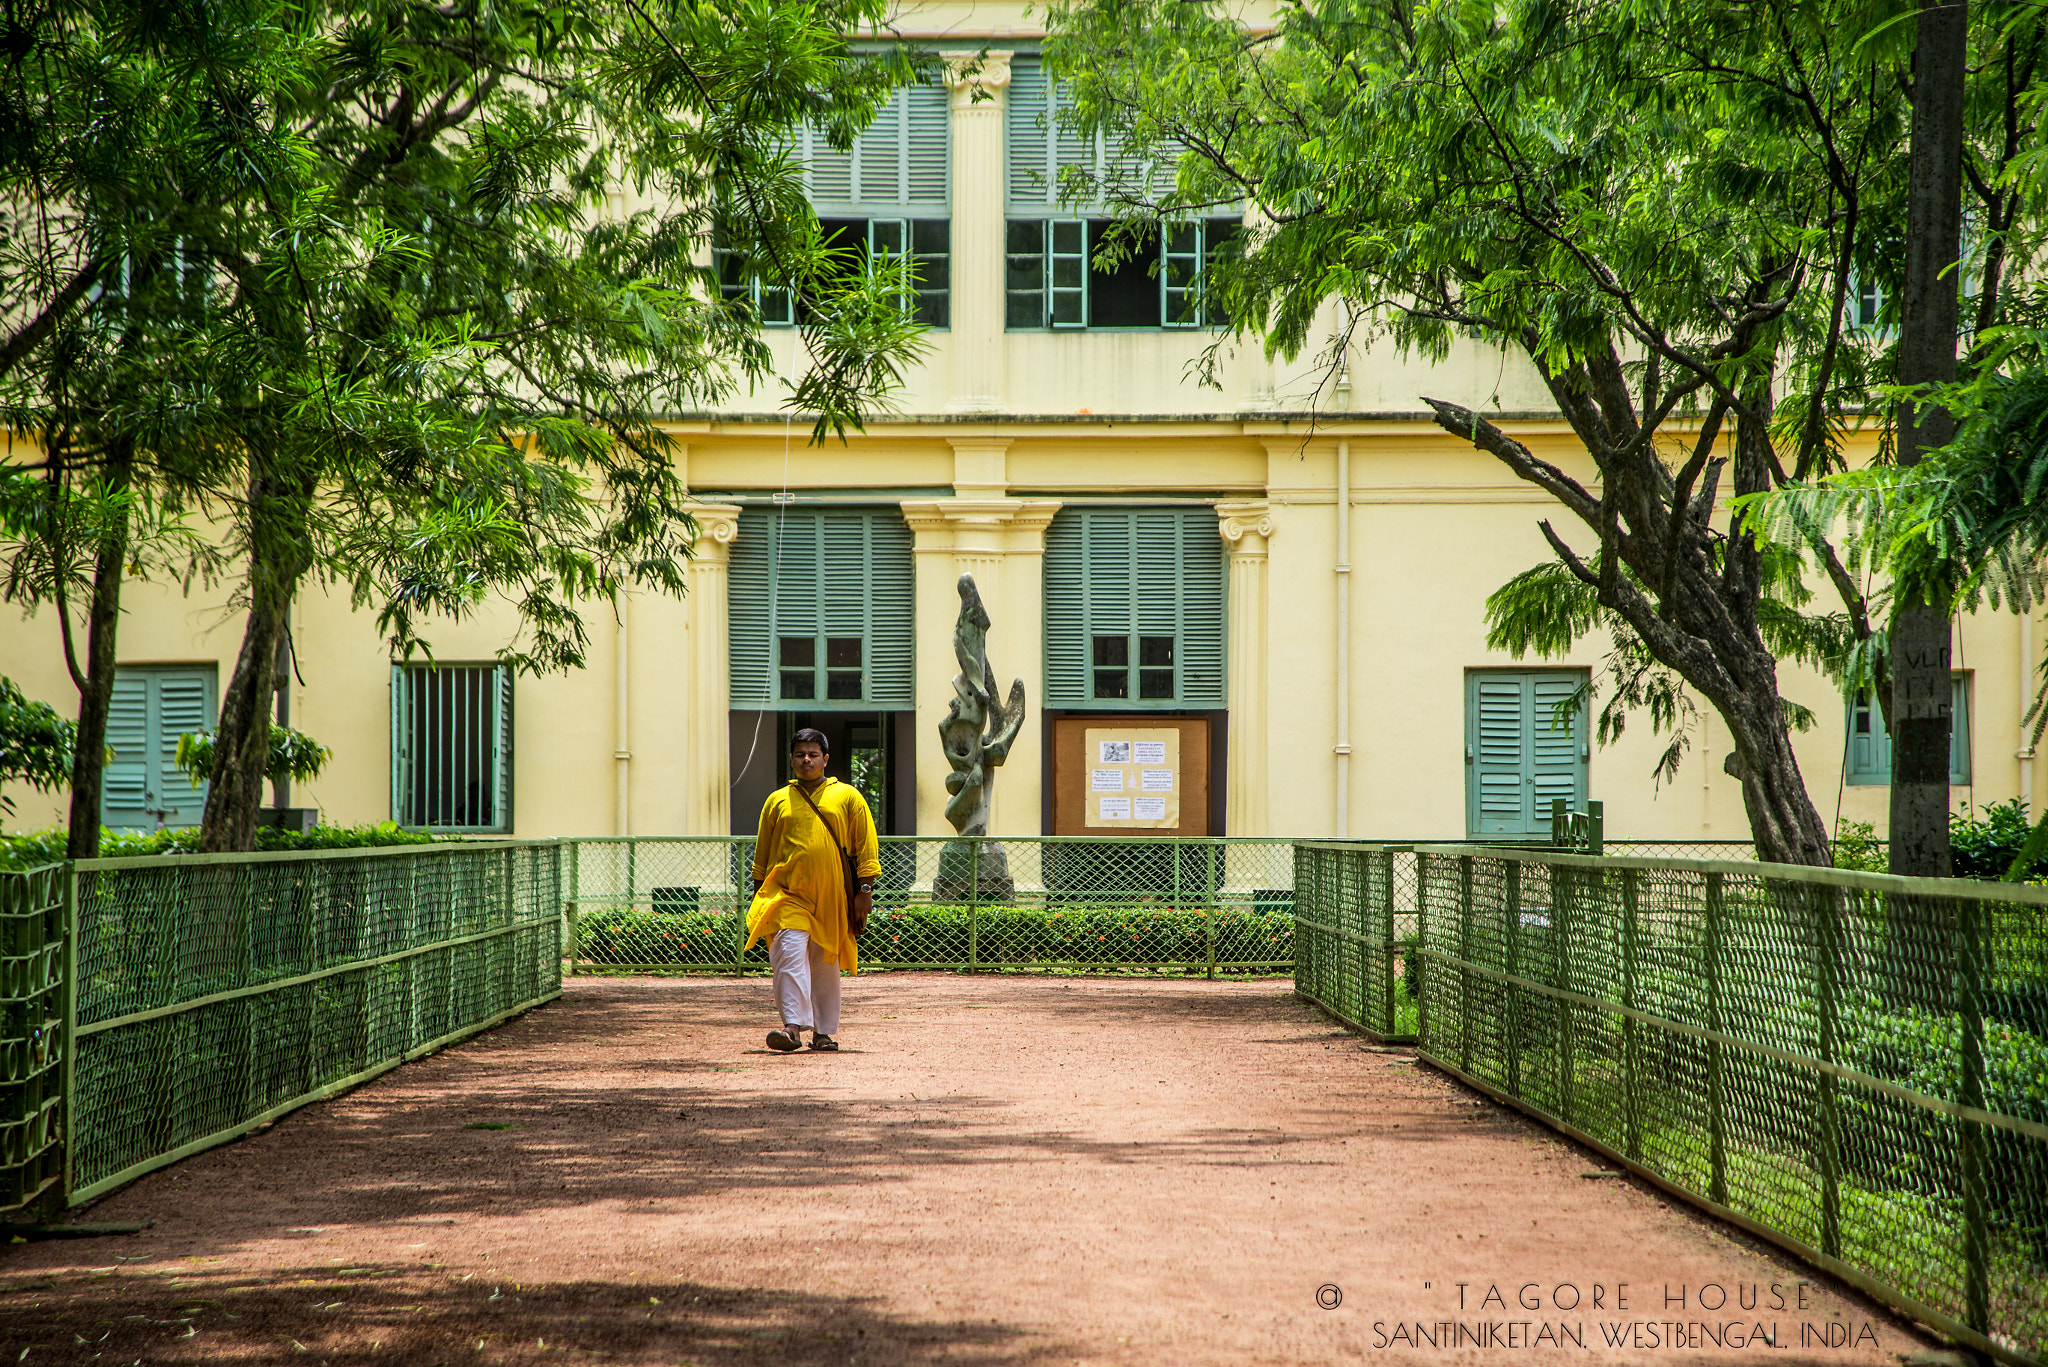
451	747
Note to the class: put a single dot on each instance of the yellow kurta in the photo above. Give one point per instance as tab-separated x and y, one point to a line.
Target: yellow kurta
803	886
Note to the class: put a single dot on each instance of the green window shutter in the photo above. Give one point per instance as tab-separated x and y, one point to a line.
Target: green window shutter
1066	612
1029	185
401	741
1518	760
899	164
1134	575
150	709
820	575
1959	734
501	818
125	793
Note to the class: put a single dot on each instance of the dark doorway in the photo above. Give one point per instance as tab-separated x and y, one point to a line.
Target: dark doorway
874	751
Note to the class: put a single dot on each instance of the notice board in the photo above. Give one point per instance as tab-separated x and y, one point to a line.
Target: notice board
1140	775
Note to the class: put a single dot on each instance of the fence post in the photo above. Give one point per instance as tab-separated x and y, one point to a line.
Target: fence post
1717	1083
633	871
573	916
1822	904
1421	975
1970	1006
1386	877
1464	958
1563	917
1513	990
1631	1042
68	1075
1209	903
974	906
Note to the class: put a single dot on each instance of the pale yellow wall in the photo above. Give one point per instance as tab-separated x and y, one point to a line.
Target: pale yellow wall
991	433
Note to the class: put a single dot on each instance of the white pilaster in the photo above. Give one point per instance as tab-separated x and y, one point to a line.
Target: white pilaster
1246	528
707	696
980	82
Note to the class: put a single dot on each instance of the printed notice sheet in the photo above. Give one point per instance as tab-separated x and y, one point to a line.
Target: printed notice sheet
1134	759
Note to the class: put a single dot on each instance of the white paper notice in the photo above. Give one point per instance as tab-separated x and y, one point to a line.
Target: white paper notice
1105	780
1119	808
1155	780
1115	752
1149	808
1150	752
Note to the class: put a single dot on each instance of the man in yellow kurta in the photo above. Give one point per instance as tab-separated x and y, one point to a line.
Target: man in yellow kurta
800	892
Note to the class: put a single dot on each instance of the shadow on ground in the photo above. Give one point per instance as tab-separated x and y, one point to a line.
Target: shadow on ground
314	1315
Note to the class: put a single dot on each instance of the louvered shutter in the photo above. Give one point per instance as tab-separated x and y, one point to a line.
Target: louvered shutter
402	704
1131	573
1027	162
1556	751
184	706
149	710
821	573
899	165
125	794
890	586
1066	611
1203	591
1518	759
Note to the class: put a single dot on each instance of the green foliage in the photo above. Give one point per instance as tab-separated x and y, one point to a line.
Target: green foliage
37	848
294	756
1087	935
1985	845
1857	848
35	743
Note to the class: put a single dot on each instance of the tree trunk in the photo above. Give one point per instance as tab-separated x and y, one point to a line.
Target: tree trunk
96	697
241	751
1921	691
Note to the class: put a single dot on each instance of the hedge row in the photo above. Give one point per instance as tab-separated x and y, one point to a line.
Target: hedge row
941	935
35	848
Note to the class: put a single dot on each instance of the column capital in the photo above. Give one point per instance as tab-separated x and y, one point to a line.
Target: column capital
977	77
1017	524
1245	525
718	526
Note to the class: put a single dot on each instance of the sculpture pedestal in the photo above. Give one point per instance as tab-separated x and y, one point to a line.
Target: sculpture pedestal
960	879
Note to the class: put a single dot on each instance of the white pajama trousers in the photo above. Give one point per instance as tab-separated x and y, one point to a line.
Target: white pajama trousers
806	983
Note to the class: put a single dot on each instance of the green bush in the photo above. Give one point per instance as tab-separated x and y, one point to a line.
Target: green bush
912	935
1858	848
47	847
1985	846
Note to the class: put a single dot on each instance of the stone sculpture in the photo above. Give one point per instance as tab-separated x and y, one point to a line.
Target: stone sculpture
976	736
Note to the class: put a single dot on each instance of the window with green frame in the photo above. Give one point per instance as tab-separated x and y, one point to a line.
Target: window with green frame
153	705
1868	754
1525	747
820	603
451	747
1134	609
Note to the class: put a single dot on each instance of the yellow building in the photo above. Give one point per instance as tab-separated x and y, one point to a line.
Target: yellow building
1285	571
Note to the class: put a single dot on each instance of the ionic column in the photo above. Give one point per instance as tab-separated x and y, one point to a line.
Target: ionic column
980	83
1246	528
707	688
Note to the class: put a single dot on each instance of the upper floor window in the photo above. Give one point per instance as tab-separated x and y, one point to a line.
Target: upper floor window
1053	277
926	242
1044	163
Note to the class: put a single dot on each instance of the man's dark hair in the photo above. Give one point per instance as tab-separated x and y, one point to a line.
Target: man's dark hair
811	736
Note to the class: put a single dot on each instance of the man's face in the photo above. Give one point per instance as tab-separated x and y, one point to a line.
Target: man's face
808	761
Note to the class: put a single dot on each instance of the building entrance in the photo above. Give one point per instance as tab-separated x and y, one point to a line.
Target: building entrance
874	751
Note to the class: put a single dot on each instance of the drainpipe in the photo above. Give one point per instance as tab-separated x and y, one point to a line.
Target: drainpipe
622	737
2025	753
1343	568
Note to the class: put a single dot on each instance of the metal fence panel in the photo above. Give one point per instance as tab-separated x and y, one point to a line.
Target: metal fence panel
1038	904
1854	1065
32	1037
216	992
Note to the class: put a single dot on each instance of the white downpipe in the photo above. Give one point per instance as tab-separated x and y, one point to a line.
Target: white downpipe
2025	753
622	733
1343	568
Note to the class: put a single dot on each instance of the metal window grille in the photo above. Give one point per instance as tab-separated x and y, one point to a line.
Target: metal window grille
451	738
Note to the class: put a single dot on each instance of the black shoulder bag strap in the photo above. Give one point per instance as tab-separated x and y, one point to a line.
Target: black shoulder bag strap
846	860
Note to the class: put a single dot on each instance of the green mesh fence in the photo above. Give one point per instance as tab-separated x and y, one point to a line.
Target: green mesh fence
32	922
215	992
1853	1065
1034	904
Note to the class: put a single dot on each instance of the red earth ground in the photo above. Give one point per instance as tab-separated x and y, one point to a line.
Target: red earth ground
997	1171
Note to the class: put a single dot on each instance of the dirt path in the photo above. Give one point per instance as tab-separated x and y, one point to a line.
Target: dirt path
996	1171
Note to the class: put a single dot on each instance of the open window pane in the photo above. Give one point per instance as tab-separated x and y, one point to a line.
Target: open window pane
1024	273
1067	273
